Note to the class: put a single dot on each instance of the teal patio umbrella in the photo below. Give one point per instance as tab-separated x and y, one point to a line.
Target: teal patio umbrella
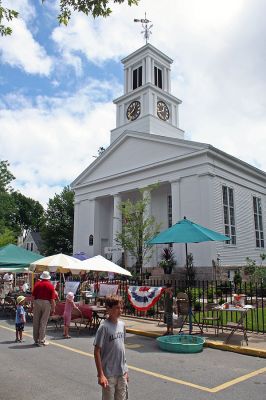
185	231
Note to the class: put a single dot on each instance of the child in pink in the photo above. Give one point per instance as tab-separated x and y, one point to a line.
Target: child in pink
67	313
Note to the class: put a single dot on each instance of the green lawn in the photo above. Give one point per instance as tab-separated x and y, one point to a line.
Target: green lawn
255	320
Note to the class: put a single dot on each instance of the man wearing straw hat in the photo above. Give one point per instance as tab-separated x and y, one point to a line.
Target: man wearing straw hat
43	304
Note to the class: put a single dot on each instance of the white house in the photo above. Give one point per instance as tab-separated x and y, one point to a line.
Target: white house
196	180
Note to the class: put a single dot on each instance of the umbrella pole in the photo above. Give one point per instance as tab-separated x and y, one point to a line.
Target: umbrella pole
189	298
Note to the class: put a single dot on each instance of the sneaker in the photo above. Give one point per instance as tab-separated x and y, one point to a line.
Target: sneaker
44	343
17	340
37	344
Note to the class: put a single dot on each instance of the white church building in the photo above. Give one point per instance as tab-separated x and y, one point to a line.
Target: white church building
196	180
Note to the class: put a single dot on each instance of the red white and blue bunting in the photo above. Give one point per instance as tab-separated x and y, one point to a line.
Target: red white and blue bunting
144	297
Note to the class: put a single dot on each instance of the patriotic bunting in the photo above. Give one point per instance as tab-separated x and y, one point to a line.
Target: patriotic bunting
144	297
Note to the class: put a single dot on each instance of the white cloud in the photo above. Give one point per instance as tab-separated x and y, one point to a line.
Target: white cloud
50	143
21	49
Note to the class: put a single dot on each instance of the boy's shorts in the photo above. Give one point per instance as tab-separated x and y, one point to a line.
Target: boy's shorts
20	327
168	318
117	388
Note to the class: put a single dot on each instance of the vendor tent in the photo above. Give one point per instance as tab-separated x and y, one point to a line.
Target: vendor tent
101	264
12	256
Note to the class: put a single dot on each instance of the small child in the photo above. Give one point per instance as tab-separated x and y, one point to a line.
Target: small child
109	353
20	318
67	313
168	309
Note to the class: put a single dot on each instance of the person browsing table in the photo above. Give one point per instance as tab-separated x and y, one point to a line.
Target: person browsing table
43	304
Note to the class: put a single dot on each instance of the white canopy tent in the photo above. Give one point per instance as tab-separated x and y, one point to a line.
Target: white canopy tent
56	263
100	264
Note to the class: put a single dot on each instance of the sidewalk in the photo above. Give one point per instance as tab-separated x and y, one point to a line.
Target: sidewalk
256	342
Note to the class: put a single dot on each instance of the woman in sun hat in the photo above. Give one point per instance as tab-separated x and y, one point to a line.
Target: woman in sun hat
20	318
67	313
43	305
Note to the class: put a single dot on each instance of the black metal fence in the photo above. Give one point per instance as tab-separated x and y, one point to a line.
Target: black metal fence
201	293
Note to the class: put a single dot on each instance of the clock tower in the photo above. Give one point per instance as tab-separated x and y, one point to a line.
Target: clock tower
147	104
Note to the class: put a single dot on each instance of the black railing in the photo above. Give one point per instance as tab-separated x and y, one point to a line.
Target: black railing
201	293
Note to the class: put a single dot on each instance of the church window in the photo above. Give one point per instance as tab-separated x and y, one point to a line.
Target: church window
169	210
137	78
229	214
91	240
257	210
169	214
158	80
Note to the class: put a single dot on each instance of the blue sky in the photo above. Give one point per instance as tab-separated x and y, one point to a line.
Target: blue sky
57	83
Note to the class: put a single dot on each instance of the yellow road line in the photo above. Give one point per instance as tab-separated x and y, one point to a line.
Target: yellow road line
164	377
238	380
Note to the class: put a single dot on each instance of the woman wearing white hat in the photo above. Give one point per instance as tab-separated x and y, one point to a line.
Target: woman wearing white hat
43	305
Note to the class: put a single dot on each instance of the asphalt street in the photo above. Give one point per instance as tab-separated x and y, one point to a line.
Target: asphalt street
65	370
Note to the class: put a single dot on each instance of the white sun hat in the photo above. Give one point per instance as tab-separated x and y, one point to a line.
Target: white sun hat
45	275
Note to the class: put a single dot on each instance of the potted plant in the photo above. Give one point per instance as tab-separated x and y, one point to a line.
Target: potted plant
167	260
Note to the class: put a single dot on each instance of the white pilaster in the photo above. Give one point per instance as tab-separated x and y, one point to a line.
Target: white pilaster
117	224
179	249
129	79
91	231
152	71
165	80
147	214
176	206
125	81
148	69
169	80
76	225
143	72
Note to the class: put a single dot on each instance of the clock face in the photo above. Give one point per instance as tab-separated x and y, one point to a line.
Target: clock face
162	110
133	110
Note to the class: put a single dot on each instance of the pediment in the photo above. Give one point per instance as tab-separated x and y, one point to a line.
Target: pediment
133	152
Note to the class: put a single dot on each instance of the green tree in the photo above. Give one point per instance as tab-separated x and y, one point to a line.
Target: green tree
138	228
7	236
6	177
28	213
255	272
6	15
18	213
58	223
96	8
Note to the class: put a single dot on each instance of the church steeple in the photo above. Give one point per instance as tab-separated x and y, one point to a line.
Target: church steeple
147	104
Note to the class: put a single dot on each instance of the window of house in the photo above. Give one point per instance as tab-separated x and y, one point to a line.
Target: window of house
158	80
169	210
169	214
31	246
137	77
229	214
258	222
27	246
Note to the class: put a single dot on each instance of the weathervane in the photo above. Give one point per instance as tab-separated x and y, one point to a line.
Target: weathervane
147	29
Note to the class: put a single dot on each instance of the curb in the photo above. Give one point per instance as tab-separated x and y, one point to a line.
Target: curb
248	351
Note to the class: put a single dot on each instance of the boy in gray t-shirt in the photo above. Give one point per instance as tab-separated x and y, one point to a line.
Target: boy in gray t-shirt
109	352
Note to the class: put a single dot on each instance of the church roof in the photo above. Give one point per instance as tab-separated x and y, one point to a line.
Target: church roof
173	150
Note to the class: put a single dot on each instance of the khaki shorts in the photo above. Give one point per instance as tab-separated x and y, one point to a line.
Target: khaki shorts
117	389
